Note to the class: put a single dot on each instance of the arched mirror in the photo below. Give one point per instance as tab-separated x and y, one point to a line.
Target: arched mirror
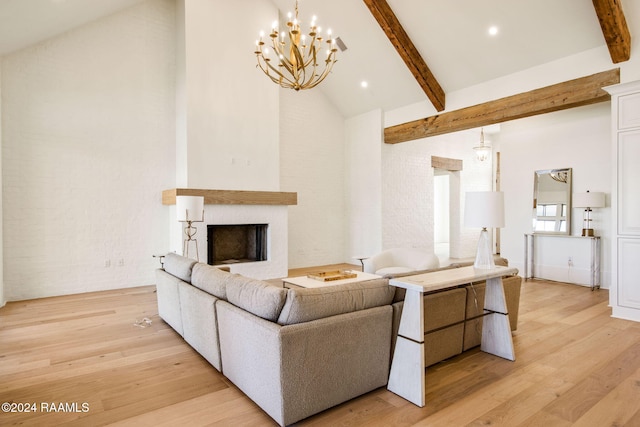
552	201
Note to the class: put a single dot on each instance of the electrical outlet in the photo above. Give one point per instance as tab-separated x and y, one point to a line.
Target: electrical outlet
107	263
570	262
121	263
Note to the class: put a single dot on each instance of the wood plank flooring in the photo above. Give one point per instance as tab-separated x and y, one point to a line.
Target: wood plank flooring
575	366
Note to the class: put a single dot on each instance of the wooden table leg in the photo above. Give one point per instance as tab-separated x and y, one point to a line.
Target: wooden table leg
496	330
407	375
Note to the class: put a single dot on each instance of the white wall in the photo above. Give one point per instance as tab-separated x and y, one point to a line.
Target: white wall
396	207
408	190
227	111
579	139
363	149
313	165
228	108
88	131
441	209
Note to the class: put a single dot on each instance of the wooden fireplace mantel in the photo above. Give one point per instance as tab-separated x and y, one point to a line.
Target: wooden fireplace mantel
232	197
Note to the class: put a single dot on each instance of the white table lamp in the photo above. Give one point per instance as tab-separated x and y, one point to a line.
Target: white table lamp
588	200
190	209
484	209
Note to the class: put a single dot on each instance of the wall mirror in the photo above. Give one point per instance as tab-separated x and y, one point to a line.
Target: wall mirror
552	201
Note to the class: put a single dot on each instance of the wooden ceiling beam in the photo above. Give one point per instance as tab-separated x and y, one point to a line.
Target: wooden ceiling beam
399	38
573	93
614	28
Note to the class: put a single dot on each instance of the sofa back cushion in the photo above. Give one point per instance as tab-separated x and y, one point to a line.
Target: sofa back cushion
255	296
307	304
444	308
210	279
179	266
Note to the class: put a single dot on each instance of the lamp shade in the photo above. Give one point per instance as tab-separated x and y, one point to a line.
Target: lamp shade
588	200
190	208
484	209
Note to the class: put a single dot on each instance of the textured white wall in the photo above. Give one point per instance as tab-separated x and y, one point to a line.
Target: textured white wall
88	131
230	108
227	121
313	165
580	139
408	190
364	184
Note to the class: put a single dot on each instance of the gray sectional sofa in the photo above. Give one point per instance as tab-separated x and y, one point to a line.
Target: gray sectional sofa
296	352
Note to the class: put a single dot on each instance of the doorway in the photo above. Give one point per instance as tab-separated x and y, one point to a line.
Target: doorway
446	207
441	213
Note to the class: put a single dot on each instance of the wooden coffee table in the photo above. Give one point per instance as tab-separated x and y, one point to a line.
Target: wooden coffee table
307	282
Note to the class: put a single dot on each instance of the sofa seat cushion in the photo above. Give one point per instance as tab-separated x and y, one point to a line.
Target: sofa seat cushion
394	270
255	296
307	304
179	266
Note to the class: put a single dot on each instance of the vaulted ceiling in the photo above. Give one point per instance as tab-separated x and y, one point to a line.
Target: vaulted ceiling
451	37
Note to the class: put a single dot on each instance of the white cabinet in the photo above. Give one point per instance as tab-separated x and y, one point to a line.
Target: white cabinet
628	179
629	273
624	294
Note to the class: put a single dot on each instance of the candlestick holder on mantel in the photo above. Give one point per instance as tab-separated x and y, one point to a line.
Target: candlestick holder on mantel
190	209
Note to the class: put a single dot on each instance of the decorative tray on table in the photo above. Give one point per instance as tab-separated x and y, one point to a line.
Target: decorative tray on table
327	276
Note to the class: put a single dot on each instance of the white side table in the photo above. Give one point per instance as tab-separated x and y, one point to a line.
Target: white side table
594	263
407	376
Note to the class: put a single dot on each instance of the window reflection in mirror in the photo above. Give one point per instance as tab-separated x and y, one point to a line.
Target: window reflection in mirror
552	201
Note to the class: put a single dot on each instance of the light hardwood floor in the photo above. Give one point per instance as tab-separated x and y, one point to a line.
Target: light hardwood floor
575	366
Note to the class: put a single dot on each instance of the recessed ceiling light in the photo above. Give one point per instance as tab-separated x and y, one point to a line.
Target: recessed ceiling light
493	30
364	84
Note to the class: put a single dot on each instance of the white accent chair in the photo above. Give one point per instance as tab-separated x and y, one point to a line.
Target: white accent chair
400	260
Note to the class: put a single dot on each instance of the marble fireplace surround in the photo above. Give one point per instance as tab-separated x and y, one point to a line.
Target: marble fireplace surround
227	207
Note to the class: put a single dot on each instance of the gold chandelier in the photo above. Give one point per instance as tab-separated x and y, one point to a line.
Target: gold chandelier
296	58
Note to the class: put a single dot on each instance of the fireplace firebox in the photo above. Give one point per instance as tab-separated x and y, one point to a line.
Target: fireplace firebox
236	243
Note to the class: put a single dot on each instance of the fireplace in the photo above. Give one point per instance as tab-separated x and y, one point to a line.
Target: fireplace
236	243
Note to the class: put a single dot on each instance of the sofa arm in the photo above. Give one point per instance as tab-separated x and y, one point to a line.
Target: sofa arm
250	356
295	371
169	299
377	261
